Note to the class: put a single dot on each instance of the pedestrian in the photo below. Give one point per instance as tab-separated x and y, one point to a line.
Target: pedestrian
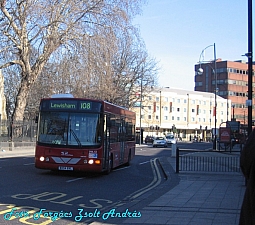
247	164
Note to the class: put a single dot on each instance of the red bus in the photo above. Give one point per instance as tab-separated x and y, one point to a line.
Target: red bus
78	134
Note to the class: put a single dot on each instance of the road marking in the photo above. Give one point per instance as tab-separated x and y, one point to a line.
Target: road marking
155	182
143	162
28	164
126	167
80	178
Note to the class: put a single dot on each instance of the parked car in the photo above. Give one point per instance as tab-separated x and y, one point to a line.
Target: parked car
149	139
170	139
159	141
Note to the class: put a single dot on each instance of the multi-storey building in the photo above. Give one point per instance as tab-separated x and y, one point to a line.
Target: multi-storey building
232	84
185	113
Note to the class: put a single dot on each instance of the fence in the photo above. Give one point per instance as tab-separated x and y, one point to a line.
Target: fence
18	131
207	161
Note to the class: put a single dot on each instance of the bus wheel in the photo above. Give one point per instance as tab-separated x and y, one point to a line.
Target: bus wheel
109	167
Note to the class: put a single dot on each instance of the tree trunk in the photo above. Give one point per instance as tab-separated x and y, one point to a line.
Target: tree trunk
21	102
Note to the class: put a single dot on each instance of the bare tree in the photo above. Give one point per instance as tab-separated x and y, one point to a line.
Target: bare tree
97	68
32	31
133	68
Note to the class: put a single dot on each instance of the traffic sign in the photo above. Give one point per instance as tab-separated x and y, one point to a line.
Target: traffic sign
225	134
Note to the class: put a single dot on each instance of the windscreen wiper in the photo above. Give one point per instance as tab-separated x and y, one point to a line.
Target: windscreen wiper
76	138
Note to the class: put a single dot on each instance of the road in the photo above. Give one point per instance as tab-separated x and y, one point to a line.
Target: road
32	196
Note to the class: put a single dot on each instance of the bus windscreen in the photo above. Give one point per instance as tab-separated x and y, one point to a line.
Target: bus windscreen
70	129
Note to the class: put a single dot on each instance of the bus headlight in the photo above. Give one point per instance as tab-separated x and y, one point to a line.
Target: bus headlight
41	158
91	161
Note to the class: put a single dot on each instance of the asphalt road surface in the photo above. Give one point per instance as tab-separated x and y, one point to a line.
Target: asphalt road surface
33	196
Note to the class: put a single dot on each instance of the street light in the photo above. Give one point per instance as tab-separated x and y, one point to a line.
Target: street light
200	72
141	100
250	63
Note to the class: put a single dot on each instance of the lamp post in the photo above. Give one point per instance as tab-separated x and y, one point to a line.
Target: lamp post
141	99
249	54
200	71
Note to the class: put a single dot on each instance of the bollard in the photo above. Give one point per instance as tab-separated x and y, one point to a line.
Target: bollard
173	150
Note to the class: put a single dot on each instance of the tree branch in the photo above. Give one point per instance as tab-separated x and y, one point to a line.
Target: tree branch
11	63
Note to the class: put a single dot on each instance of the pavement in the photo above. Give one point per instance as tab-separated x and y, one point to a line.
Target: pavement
198	198
17	151
192	198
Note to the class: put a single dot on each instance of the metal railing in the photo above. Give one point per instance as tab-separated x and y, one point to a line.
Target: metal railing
207	161
18	131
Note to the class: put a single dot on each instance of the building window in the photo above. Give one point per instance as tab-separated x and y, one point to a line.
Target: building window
198	84
172	117
165	108
156	117
184	118
193	110
166	117
178	109
157	99
149	117
178	118
193	119
193	101
178	100
157	108
184	110
185	100
166	99
150	98
149	107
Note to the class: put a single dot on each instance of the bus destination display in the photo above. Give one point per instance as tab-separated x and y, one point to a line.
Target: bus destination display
79	105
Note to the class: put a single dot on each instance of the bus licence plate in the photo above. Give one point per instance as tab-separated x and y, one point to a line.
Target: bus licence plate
65	168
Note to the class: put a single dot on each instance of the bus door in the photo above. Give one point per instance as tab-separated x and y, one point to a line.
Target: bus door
122	133
107	126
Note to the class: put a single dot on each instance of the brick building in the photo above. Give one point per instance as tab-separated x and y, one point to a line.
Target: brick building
232	84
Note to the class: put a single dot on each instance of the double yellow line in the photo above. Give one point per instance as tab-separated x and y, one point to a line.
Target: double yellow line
154	183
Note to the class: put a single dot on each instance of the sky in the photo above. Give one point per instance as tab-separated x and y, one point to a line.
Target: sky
176	32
